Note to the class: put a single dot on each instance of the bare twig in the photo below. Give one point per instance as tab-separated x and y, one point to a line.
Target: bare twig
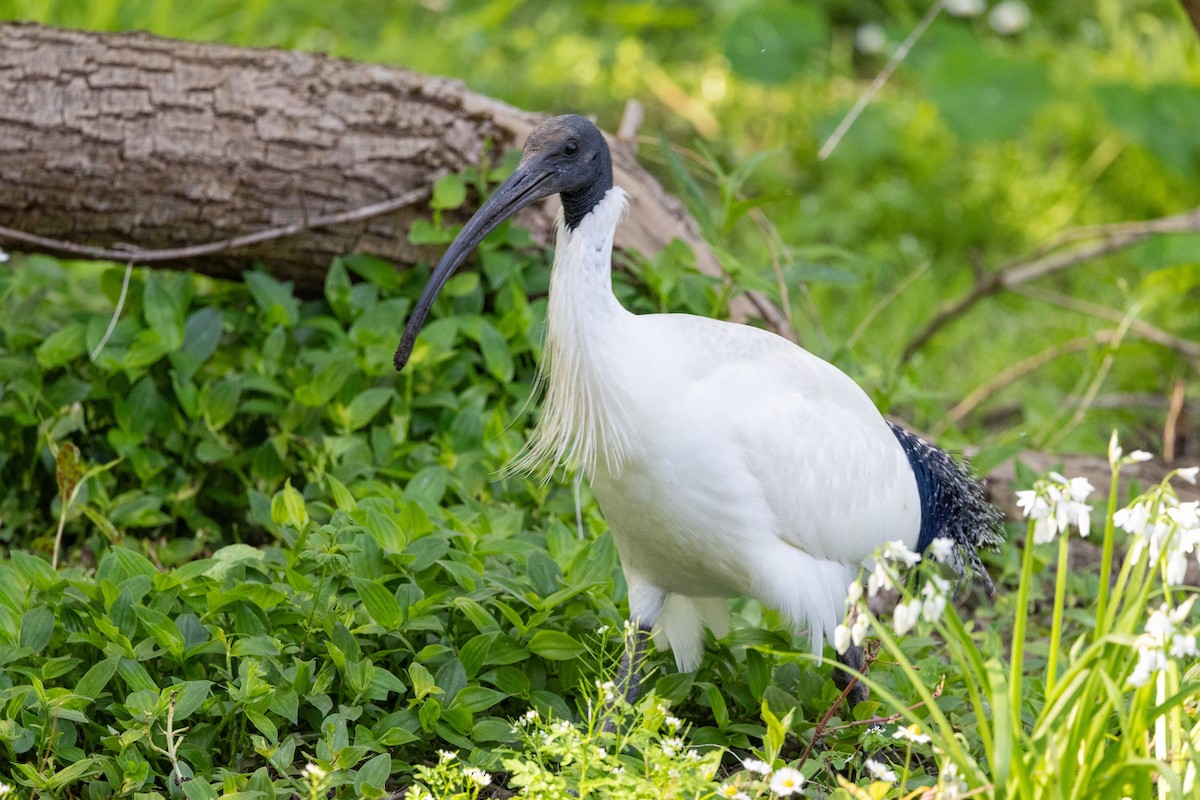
1185	347
1171	425
1015	373
901	53
1112	238
858	723
132	255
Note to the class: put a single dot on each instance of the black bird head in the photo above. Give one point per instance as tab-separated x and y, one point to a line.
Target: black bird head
564	155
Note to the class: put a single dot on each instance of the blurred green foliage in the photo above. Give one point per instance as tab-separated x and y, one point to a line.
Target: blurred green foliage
395	580
980	147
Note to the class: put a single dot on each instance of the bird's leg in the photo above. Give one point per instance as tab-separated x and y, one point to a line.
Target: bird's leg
628	679
854	659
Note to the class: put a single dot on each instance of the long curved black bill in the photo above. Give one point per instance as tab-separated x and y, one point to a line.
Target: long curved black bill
525	186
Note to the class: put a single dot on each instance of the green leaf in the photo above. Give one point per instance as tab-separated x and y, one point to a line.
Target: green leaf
374	773
97	677
556	645
366	405
202	333
63	346
287	507
275	299
478	698
337	290
190	697
449	192
771	42
380	603
421	679
983	97
163	312
37	627
219	401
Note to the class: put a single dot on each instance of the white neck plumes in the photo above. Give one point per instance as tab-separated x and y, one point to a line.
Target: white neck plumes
582	421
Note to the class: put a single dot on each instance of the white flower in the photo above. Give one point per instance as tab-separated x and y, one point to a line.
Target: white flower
1078	489
756	766
912	733
859	630
1140	455
730	792
786	781
880	772
673	722
4	787
1188	474
964	8
446	755
1009	17
1114	451
898	551
672	746
477	776
870	39
934	592
1183	646
841	638
949	786
854	593
311	770
879	579
528	718
942	549
906	615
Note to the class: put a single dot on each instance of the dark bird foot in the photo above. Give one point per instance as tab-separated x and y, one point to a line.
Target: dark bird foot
854	659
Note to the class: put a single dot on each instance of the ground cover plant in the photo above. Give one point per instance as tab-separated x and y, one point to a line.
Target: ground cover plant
281	570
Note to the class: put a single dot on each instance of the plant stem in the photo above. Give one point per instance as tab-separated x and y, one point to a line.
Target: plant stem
1107	554
1060	592
1016	667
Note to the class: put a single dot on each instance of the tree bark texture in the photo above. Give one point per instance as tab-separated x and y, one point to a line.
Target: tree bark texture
132	140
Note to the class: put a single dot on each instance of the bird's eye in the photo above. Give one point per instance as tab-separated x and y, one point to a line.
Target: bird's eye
570	148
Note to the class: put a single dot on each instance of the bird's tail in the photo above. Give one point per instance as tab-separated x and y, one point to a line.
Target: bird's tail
953	504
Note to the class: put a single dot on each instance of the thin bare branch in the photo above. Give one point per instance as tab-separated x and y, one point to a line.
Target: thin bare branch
860	105
1015	373
1185	347
140	256
1112	238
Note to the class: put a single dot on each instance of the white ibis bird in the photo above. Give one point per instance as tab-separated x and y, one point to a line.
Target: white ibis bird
726	460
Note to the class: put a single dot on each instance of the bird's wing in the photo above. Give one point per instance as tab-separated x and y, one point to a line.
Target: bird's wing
835	478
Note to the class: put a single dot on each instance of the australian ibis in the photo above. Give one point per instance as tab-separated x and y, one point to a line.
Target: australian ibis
726	459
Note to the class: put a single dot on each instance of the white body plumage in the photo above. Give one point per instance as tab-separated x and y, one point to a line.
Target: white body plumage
726	459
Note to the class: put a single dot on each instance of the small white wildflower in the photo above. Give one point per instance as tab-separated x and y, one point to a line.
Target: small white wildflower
756	766
898	551
854	593
672	746
859	630
1183	646
672	722
1140	455
934	594
730	792
964	8
1189	474
477	776
841	638
1114	451
870	39
529	717
942	549
311	770
601	753
1009	17
911	733
786	781
906	615
879	579
4	787
880	772
949	786
617	770
562	727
